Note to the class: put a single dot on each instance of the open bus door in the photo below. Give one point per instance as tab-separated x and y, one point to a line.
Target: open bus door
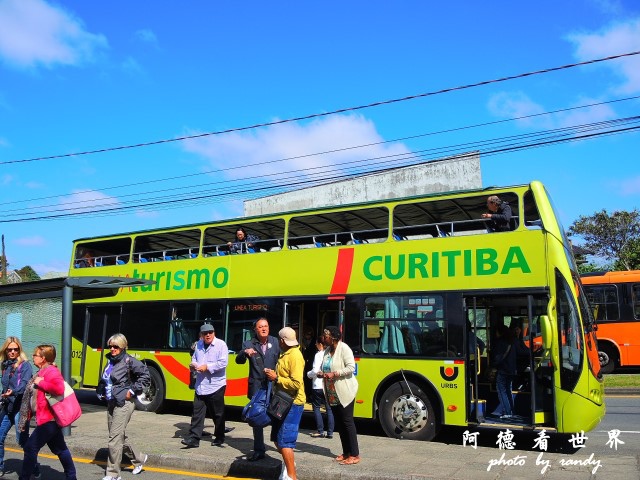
532	387
475	349
99	324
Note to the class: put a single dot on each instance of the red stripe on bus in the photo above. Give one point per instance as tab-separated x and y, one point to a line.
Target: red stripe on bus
343	271
175	368
235	387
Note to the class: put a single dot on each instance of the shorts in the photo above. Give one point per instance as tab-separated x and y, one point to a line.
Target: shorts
285	432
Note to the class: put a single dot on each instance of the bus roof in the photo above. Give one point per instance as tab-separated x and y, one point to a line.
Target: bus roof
624	276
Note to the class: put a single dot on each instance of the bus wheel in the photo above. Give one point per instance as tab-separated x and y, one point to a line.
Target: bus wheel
152	398
608	359
403	415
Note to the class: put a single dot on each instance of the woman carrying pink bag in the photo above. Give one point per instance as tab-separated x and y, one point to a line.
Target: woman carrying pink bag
47	432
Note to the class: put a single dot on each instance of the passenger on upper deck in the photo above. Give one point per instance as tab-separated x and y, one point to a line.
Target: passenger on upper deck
243	241
87	260
500	216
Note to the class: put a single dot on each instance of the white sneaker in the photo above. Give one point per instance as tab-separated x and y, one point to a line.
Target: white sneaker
107	477
139	468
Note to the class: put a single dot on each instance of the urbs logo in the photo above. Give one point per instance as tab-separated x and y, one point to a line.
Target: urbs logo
449	373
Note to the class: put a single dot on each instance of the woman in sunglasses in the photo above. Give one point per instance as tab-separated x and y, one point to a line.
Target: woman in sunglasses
123	378
16	372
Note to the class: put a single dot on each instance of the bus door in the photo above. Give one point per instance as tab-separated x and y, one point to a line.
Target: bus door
99	324
475	366
309	318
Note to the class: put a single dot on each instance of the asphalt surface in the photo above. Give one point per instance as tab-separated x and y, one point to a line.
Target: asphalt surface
159	436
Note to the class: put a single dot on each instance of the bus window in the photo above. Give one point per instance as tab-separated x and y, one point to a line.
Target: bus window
570	331
635	298
243	314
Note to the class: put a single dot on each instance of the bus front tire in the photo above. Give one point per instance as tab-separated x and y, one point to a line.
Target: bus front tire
608	359
403	415
152	398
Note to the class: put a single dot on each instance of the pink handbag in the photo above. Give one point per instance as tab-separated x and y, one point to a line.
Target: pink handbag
65	407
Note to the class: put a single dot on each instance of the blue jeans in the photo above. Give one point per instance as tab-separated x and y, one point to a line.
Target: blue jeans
258	440
49	434
503	386
7	420
317	400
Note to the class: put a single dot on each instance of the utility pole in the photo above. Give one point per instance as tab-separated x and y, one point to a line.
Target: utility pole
3	259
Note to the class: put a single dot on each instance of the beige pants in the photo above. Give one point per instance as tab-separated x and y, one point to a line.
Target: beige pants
117	421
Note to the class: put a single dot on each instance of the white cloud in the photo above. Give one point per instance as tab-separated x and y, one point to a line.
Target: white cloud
249	152
613	40
33	32
146	214
88	201
583	116
630	186
36	241
6	179
517	104
34	185
147	36
131	65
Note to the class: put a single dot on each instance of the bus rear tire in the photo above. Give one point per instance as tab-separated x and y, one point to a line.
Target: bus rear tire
407	416
608	358
152	398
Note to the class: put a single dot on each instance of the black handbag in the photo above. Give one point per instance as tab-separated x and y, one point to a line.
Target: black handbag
280	404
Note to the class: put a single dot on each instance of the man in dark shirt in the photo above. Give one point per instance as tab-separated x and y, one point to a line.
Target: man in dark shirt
500	216
262	351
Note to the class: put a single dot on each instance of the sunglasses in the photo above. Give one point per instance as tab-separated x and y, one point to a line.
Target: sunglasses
210	332
13	349
114	347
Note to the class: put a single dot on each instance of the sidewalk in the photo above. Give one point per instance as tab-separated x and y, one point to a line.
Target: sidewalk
159	436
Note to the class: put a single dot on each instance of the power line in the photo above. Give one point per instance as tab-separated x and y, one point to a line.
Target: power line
325	114
558	136
326	152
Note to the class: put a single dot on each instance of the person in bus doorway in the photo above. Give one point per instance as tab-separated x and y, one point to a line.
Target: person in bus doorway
340	388
16	373
244	242
262	351
123	379
499	216
209	361
317	394
504	360
289	377
47	432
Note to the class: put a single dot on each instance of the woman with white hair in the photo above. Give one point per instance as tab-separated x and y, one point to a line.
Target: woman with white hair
123	378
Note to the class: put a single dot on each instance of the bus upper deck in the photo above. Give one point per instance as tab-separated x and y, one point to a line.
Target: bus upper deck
406	219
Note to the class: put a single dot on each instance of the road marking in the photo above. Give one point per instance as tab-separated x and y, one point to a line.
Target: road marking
146	468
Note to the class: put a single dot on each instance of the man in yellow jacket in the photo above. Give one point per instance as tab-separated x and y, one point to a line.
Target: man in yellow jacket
288	376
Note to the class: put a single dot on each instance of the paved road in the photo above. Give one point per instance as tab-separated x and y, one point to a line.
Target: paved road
382	458
90	469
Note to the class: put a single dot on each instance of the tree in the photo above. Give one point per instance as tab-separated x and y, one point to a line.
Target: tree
28	274
616	236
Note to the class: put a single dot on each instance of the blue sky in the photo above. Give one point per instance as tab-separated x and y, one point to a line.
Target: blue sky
78	76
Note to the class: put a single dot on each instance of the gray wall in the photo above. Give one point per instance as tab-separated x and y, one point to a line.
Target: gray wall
455	173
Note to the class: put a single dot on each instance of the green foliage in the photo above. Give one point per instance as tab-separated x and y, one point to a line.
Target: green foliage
28	274
589	267
616	236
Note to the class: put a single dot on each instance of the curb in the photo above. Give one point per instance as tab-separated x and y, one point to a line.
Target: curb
622	391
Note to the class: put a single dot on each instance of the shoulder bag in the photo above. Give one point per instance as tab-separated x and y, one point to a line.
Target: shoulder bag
280	404
255	412
65	407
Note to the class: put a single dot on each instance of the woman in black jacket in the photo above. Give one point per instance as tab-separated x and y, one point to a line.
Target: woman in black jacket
123	378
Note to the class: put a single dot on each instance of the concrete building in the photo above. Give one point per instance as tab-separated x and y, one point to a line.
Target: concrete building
449	174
